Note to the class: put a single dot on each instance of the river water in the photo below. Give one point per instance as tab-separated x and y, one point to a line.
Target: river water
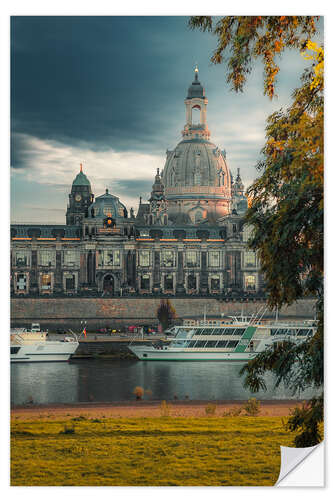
114	380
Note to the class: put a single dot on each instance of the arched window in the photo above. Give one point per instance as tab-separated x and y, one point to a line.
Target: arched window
196	115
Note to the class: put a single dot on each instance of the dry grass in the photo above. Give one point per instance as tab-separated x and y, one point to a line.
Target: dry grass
163	451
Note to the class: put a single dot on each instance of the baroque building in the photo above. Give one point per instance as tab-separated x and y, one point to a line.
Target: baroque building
189	238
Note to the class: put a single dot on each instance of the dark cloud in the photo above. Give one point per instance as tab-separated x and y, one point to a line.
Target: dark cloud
112	82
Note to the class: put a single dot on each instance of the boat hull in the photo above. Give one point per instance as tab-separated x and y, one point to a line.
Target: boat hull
182	355
44	352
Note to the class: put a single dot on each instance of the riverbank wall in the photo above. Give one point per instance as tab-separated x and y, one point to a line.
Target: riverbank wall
53	313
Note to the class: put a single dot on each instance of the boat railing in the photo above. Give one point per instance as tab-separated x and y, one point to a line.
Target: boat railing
72	339
292	324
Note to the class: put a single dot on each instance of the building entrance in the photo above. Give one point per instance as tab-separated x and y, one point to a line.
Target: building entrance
108	284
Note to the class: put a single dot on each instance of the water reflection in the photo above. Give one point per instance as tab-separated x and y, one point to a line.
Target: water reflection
106	380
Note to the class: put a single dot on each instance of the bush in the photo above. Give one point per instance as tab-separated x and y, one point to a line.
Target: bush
210	410
233	412
139	392
252	407
165	409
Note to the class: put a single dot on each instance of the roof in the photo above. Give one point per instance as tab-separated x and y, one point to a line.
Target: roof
81	180
45	230
196	90
107	203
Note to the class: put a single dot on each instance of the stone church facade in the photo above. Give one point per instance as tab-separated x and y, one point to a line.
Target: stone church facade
189	238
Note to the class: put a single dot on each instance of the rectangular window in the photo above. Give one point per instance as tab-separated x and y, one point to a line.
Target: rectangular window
249	259
70	282
107	211
215	283
214	258
145	282
21	282
22	258
71	258
108	258
46	281
247	232
250	282
168	258
191	258
168	282
144	260
47	258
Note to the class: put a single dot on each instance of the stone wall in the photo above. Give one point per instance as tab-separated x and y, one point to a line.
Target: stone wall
69	312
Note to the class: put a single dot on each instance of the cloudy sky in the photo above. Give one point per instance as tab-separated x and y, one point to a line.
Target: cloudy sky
109	92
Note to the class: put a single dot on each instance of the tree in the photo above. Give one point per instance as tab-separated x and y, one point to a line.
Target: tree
243	39
166	313
286	209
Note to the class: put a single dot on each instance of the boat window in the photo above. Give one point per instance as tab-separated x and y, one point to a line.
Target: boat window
211	343
232	343
228	331
183	334
221	343
207	331
191	344
179	343
201	343
14	350
303	332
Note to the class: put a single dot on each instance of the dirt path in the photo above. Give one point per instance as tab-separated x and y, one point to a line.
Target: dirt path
145	409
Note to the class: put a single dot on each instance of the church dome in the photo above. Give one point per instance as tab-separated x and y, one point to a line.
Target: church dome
107	205
196	176
196	163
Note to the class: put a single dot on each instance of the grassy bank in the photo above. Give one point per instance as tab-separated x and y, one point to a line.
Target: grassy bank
162	451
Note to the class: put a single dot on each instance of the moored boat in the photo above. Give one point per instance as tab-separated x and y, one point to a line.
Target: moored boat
235	340
32	346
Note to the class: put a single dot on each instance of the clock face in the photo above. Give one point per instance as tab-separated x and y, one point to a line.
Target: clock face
78	197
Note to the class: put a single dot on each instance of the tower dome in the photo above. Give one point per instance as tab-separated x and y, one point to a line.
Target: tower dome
80	198
107	205
196	176
81	179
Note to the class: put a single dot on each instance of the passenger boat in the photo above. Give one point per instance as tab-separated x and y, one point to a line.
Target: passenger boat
31	346
233	340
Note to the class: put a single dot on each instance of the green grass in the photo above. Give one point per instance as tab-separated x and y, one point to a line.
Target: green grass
164	451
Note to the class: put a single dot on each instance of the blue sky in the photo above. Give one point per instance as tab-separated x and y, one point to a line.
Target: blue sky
109	92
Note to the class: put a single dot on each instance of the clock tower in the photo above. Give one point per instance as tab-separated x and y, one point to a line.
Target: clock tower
80	199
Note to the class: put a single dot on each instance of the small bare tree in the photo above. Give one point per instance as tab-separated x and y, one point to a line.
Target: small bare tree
166	313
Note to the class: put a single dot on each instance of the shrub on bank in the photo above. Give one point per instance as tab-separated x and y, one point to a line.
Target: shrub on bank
139	392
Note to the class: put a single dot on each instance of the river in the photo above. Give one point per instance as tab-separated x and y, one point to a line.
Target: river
114	380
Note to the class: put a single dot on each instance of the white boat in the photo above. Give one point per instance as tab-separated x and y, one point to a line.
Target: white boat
233	340
32	345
